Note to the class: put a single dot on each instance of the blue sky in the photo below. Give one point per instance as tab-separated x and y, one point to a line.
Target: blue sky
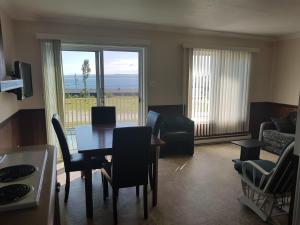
115	62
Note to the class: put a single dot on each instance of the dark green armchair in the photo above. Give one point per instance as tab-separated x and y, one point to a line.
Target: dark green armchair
178	134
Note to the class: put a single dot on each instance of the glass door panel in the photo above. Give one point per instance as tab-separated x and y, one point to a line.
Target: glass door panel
121	84
80	86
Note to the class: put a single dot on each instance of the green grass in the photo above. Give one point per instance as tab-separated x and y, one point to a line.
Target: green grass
122	103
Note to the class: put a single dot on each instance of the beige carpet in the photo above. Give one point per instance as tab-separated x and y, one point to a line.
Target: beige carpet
198	190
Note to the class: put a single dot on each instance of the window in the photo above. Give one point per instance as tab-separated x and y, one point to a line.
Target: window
218	101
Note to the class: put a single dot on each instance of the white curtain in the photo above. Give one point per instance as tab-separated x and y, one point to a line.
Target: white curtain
53	85
219	86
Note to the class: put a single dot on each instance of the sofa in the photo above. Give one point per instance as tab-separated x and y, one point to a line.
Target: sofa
278	132
178	134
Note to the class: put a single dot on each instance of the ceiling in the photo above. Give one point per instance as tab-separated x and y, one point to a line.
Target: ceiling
256	17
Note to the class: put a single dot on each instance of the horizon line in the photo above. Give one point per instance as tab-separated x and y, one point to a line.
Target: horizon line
104	74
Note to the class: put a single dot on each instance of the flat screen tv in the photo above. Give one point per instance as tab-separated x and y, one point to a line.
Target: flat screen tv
23	71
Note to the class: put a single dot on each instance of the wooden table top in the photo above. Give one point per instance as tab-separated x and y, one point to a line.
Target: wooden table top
92	138
250	143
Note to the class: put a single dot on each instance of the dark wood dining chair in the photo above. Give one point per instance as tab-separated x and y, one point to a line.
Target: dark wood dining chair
72	162
103	115
153	120
129	166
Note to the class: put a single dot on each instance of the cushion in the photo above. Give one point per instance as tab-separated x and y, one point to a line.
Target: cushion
283	125
277	140
265	164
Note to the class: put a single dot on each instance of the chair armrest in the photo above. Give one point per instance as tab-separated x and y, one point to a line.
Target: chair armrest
255	168
265	126
188	124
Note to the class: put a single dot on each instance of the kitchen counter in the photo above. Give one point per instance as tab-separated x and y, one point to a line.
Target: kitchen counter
44	213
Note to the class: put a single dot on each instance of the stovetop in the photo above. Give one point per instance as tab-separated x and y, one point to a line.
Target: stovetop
17	172
13	193
21	178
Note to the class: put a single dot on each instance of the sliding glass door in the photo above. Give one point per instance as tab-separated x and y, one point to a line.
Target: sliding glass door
106	76
79	68
120	84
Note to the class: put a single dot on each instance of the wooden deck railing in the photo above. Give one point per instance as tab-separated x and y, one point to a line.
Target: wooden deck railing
78	110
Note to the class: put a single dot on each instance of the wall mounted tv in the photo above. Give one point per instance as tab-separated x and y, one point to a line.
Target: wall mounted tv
23	71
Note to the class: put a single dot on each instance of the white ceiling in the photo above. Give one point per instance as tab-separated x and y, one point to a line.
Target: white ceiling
258	17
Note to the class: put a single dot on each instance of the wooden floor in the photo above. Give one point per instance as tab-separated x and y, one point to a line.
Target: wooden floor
202	190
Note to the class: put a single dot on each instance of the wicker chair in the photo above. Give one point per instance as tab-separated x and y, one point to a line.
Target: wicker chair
267	185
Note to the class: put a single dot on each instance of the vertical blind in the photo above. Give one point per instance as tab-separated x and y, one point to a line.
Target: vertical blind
218	91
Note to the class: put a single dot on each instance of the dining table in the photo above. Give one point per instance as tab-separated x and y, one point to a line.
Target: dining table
96	140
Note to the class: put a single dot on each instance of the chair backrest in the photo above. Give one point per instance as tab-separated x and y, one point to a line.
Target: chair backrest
281	180
153	121
176	123
130	156
62	139
103	115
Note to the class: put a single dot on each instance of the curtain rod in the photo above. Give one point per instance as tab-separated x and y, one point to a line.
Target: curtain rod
92	39
254	50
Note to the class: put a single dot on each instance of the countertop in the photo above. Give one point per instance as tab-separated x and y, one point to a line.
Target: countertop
43	214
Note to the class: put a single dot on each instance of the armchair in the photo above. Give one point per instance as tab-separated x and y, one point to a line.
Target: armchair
267	185
178	134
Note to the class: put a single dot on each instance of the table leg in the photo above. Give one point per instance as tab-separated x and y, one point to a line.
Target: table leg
88	187
56	207
155	177
249	153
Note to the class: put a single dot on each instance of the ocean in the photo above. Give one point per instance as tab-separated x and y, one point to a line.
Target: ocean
111	82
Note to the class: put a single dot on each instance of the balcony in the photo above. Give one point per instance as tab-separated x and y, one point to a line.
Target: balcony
78	112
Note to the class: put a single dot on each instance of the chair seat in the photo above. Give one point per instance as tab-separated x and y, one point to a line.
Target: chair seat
77	162
265	164
106	171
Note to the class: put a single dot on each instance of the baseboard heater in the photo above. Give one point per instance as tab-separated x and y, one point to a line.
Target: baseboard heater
222	138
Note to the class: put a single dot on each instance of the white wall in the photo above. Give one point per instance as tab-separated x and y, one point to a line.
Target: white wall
165	57
8	102
286	72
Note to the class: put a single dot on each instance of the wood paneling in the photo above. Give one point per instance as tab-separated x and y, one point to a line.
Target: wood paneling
263	111
174	110
32	127
9	132
25	127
